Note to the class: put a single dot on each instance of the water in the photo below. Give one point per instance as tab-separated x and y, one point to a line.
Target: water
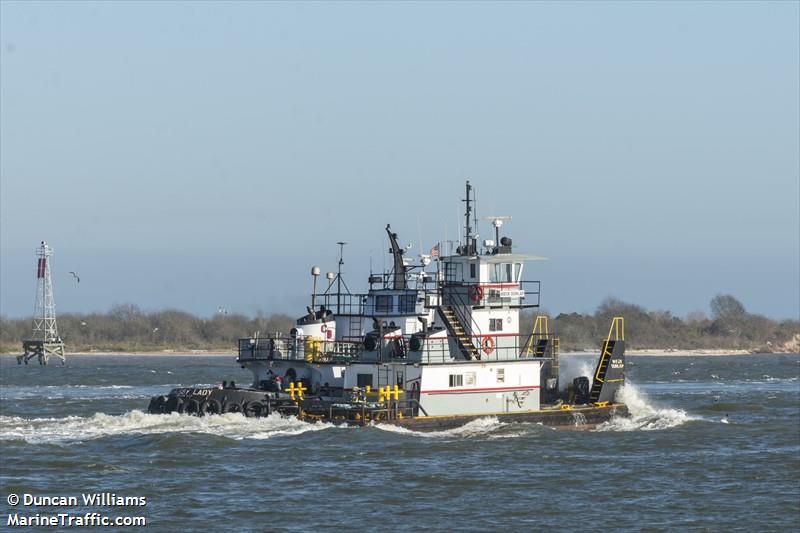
713	443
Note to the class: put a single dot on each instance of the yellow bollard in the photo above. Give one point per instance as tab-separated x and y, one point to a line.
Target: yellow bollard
396	392
301	390
291	390
367	389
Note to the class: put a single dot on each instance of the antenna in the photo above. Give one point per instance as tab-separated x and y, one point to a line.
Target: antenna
45	340
497	221
339	277
315	271
467	212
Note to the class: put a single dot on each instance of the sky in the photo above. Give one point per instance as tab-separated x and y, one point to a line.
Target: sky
203	155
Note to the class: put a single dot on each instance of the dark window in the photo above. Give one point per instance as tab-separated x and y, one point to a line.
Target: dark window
383	303
364	380
456	380
495	324
408	302
472	270
453	272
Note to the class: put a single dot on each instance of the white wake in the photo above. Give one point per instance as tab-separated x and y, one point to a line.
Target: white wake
99	425
474	428
643	414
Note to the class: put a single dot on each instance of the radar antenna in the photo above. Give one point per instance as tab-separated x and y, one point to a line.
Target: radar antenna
497	221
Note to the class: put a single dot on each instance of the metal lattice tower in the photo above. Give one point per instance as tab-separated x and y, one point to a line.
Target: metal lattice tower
45	340
44	310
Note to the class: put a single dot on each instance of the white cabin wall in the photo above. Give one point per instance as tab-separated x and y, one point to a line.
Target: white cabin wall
497	388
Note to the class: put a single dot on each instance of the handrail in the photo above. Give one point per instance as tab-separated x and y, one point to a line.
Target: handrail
540	331
461	317
617	329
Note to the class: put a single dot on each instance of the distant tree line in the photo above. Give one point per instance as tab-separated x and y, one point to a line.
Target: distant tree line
127	328
730	326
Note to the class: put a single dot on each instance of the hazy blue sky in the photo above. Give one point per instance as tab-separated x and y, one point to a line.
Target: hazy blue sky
202	155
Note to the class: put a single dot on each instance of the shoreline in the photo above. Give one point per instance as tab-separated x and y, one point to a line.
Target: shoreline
645	352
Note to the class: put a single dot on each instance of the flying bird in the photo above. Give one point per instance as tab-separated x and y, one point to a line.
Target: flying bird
76	276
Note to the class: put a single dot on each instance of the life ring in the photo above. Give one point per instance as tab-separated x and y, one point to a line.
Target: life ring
475	293
488	345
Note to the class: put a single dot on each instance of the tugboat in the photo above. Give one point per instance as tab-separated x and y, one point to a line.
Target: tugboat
429	346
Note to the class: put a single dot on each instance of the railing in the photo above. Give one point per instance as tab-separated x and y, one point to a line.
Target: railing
421	281
528	295
510	295
359	304
438	351
308	349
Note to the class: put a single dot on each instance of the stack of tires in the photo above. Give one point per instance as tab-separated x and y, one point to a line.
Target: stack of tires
210	406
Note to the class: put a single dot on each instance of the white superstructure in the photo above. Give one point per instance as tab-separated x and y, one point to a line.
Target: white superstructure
445	331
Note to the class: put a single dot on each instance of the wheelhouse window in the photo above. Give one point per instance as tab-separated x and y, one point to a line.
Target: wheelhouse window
456	380
408	303
495	324
473	270
383	303
501	272
454	272
505	272
364	380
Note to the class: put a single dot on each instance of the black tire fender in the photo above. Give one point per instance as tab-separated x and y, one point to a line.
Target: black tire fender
232	407
191	406
255	408
211	407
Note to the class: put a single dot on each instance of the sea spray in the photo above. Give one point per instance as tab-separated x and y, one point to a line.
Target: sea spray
474	428
574	366
75	428
643	414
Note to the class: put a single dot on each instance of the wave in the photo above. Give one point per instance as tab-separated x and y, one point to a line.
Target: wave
643	414
81	392
475	428
100	425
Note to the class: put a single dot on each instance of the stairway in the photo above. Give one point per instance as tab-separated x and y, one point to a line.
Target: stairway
456	330
608	378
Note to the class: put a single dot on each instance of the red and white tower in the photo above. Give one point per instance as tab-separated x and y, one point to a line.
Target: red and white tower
45	340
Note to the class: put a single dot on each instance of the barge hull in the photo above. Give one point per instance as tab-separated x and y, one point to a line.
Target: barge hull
576	418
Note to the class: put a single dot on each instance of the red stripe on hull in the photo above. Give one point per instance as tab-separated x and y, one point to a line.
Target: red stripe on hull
491	389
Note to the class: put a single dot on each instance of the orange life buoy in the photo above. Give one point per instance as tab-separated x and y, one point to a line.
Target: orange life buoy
488	345
476	293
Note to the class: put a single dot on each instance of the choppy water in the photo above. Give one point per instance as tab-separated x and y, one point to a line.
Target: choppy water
713	444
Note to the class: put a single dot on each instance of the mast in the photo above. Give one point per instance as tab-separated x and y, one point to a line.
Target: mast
467	227
470	240
339	277
399	278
